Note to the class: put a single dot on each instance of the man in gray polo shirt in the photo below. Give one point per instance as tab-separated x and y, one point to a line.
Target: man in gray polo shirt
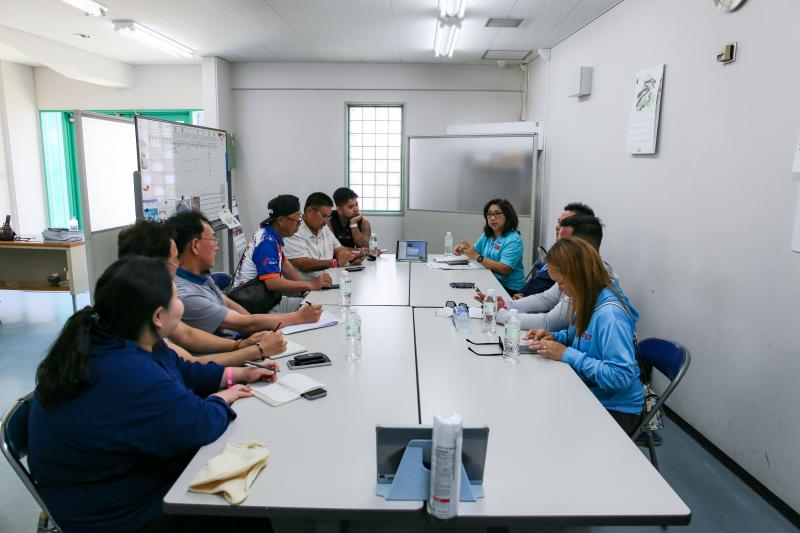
205	307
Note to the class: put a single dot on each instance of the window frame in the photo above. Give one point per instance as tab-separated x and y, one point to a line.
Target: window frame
402	106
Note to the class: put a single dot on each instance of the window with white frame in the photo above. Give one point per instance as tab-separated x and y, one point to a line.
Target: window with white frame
375	156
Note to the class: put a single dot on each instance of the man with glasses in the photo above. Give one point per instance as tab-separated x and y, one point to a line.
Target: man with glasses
205	306
265	258
314	247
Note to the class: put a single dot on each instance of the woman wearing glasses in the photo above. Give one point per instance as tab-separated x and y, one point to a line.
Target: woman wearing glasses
500	247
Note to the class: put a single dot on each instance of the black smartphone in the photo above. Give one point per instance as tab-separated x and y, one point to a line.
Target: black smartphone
462	284
371	257
315	394
355	268
309	358
334	286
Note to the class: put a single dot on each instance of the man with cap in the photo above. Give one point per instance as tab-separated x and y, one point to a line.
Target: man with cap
264	257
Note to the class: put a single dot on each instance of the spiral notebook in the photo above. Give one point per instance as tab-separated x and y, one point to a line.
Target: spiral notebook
287	389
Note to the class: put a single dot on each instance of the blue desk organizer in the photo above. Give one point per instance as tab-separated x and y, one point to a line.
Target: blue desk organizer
412	480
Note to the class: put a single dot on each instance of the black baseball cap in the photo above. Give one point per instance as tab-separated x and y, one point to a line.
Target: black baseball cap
281	206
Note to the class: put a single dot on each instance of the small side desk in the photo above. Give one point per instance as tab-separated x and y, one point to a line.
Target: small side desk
26	265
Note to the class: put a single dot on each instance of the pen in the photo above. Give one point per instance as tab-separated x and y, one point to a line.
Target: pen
258	365
278	326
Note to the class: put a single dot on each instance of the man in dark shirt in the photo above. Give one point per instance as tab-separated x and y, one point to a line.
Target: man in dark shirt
348	223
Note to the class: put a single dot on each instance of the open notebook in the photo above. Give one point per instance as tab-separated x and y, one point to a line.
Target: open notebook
327	319
288	388
292	348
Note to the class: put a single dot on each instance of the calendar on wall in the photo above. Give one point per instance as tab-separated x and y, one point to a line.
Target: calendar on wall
643	122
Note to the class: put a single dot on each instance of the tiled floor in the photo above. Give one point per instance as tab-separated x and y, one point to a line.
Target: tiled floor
719	500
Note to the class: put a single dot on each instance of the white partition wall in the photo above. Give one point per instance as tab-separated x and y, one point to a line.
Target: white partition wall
107	161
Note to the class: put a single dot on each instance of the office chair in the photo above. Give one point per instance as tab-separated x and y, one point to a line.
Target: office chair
14	443
222	280
672	360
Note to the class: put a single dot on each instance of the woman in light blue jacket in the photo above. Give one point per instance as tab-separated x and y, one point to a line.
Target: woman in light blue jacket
599	342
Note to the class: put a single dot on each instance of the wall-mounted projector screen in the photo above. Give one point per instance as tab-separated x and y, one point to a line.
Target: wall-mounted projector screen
460	174
109	161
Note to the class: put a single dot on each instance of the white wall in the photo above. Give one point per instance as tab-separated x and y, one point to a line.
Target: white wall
19	122
290	121
700	232
5	193
154	87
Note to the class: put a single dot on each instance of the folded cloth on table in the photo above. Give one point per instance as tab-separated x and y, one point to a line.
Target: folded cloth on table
233	471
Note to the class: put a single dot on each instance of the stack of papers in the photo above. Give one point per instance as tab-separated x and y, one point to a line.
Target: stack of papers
326	320
452	259
445	266
286	389
62	235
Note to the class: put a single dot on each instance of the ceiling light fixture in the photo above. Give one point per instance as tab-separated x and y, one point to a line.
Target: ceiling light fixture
143	34
448	26
90	7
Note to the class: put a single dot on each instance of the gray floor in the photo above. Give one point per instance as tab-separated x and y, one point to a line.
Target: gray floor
718	499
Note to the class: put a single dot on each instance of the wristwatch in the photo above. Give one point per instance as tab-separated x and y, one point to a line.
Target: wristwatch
480	259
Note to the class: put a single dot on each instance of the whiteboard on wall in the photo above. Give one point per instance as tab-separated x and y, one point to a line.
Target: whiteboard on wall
108	148
459	174
178	161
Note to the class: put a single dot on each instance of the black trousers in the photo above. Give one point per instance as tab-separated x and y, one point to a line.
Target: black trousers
626	421
202	524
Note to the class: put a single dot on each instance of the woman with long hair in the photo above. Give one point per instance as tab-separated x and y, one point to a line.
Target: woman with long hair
116	414
599	341
500	247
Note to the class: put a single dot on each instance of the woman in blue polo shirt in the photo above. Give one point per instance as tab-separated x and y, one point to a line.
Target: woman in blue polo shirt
117	414
500	247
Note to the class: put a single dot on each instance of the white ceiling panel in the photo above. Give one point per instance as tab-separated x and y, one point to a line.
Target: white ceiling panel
394	31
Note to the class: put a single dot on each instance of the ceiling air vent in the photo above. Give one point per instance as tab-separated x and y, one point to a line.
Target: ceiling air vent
503	22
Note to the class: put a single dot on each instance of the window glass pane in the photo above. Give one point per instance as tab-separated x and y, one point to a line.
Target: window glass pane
374	135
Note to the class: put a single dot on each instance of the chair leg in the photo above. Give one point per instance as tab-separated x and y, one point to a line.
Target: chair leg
651	447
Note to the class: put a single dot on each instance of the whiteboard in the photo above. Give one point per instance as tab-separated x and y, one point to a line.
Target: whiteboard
459	174
179	161
109	161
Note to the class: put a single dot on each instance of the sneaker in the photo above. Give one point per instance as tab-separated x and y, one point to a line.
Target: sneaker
641	440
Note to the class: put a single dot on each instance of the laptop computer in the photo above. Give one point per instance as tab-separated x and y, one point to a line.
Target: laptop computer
412	251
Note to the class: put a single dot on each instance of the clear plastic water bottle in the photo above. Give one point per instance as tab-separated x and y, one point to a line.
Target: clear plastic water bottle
373	244
489	312
352	325
345	290
511	339
448	244
73	224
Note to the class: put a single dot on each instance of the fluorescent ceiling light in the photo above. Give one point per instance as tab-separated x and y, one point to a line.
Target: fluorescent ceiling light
141	33
90	7
446	38
452	8
448	26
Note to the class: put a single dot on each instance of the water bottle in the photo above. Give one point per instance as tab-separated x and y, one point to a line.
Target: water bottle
373	244
511	340
345	290
448	244
352	327
489	312
73	224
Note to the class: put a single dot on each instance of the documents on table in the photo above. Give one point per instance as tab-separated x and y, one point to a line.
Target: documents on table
327	319
292	348
439	265
286	389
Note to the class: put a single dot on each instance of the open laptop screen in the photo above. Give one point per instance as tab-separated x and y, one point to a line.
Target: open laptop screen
412	251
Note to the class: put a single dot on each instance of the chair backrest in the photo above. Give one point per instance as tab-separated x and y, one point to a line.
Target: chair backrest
669	358
222	280
14	444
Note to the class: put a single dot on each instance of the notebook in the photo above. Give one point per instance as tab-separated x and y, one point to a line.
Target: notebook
287	389
292	348
325	320
452	260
